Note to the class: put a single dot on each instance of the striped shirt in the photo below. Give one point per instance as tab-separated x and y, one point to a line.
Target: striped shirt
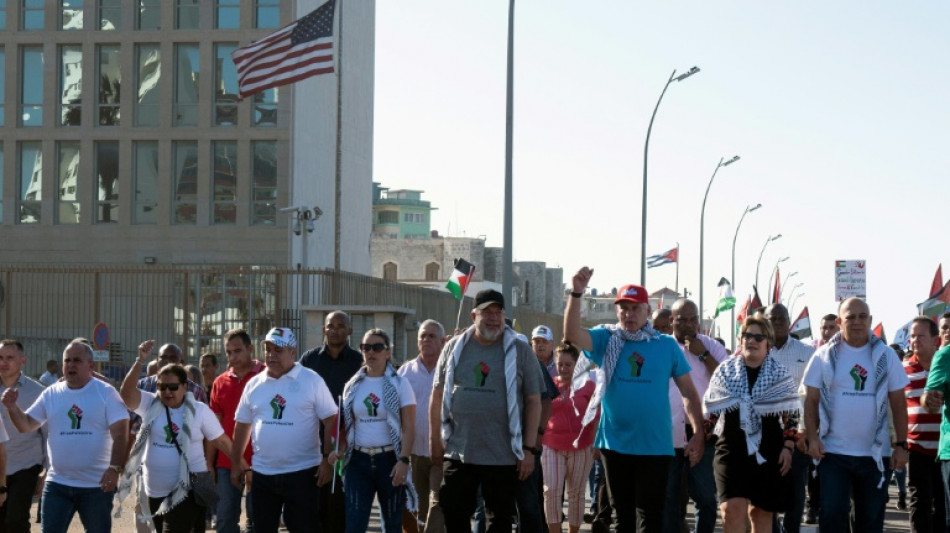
923	428
794	354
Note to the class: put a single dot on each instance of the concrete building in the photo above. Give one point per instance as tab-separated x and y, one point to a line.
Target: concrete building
404	249
174	169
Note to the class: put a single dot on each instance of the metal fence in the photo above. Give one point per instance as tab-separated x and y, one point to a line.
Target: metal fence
46	307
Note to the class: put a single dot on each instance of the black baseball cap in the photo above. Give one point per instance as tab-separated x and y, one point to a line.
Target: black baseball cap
488	297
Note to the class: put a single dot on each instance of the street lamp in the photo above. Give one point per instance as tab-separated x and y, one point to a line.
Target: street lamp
786	285
646	148
702	225
304	219
774	272
748	210
759	263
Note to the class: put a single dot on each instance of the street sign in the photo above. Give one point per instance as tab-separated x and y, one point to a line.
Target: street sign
850	279
100	356
100	337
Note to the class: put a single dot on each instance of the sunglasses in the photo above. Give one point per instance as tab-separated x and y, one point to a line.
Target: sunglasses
758	337
168	386
375	347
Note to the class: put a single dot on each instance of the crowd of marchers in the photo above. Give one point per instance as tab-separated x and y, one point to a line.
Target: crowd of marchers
619	425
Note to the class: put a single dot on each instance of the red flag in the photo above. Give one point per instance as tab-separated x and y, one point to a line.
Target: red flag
801	328
756	302
937	286
879	331
299	50
744	311
776	292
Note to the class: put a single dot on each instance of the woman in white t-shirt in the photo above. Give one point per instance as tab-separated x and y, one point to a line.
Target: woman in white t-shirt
165	455
380	411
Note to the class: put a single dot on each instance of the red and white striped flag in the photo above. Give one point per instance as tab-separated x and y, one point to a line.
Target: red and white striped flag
299	50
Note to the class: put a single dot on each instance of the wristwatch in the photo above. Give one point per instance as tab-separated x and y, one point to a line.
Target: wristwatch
404	459
703	356
116	468
901	444
535	451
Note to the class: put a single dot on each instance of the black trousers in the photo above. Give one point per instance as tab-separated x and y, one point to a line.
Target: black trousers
457	496
925	488
186	517
15	513
637	487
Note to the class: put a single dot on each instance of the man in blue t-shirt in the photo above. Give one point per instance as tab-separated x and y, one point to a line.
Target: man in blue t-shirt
635	434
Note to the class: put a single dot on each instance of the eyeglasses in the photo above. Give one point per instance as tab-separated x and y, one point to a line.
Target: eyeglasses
375	347
168	386
758	337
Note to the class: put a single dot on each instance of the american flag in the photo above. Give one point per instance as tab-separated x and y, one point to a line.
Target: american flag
299	50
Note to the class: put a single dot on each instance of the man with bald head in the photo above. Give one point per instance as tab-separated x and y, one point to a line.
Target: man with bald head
703	354
794	354
168	354
661	321
850	382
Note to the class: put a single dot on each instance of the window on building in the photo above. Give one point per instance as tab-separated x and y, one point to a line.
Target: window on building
225	86
388	217
3	14
149	15
70	14
32	16
265	107
432	272
3	81
109	80
224	182
186	182
107	186
110	14
70	85
187	68
30	186
186	14
145	182
31	86
67	181
227	14
389	271
414	218
148	72
264	183
267	14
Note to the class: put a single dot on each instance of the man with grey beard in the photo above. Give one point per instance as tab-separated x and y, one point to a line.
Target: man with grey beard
487	387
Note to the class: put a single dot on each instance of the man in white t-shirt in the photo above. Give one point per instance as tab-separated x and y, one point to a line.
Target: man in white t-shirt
87	445
282	408
850	381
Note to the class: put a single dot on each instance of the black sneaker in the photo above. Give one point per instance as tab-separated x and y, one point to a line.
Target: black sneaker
811	517
588	518
902	502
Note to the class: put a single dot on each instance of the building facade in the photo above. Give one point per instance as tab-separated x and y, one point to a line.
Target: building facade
175	169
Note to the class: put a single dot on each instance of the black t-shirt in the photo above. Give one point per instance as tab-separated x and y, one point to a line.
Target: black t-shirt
335	372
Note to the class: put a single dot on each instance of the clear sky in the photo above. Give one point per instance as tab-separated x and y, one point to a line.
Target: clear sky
839	111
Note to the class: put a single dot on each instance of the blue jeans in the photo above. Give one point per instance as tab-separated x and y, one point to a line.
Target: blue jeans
702	490
367	476
61	502
294	494
530	512
675	504
229	503
596	474
844	476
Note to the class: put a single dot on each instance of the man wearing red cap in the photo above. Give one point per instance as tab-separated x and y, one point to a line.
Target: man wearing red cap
635	434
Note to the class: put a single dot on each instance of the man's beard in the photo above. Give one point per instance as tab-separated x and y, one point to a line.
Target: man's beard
489	334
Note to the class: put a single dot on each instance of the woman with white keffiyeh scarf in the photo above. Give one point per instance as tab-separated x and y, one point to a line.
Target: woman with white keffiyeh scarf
379	410
756	401
167	450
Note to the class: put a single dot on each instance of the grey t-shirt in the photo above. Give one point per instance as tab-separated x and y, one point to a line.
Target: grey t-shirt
479	404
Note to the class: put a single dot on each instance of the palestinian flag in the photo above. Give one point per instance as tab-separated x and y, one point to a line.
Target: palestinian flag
937	304
801	328
878	332
726	299
776	291
461	277
743	313
936	287
669	256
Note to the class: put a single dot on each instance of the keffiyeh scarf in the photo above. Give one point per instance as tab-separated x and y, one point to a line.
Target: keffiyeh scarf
774	393
132	475
393	422
618	336
511	387
828	357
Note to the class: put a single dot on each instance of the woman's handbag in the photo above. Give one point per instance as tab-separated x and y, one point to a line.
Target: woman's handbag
202	485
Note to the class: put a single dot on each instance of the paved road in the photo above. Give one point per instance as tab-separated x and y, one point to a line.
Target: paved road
895	522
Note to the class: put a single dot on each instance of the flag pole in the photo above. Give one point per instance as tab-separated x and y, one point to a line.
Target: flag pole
508	274
678	272
338	197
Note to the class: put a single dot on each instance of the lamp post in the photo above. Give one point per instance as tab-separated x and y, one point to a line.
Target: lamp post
759	262
775	272
702	226
507	279
788	277
792	303
748	210
304	219
646	148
